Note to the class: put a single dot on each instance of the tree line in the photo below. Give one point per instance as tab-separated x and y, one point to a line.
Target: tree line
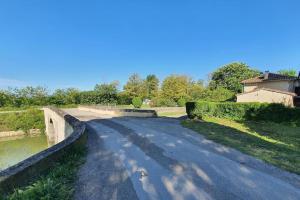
174	90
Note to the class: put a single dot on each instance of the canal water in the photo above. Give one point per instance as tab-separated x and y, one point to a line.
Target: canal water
14	151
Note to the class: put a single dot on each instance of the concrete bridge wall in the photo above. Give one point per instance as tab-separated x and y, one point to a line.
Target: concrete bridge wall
57	128
65	131
119	112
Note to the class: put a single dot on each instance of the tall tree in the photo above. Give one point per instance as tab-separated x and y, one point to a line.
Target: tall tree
288	72
135	86
231	75
31	95
151	85
175	87
195	90
107	88
108	91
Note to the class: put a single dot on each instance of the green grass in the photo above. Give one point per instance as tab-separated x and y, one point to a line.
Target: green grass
171	114
30	119
274	143
57	184
67	106
18	108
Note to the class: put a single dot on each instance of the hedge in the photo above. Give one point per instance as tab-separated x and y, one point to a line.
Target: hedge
244	111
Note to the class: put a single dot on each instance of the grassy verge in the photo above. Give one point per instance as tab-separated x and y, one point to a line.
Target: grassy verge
171	114
3	109
57	184
274	143
30	119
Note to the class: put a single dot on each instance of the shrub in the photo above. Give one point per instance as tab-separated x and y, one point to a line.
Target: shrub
244	111
219	94
162	102
124	99
181	102
137	102
31	119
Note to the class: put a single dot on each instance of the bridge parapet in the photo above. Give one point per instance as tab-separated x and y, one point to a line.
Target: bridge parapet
57	128
65	131
119	112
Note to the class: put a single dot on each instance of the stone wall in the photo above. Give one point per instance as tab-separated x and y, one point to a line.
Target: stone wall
70	135
119	112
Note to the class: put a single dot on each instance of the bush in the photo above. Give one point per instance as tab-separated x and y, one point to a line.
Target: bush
162	102
31	119
244	111
219	94
124	99
137	102
181	102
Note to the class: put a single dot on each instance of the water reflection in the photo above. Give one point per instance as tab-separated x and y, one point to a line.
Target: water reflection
14	150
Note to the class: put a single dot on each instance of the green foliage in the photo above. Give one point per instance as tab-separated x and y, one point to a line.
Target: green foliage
5	99
32	95
231	75
175	87
244	111
135	87
151	85
218	94
65	96
27	96
137	102
124	98
181	102
195	90
288	72
108	92
162	102
30	119
57	184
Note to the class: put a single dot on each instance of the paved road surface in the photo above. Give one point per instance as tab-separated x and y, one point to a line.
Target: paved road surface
156	158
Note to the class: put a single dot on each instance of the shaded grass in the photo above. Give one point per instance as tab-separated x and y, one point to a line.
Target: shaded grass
58	183
274	143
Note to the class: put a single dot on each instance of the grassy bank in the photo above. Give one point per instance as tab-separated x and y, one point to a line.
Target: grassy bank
30	119
58	183
274	143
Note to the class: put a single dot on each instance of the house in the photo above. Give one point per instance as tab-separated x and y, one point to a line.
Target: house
271	88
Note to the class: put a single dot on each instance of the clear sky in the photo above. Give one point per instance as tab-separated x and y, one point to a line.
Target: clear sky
60	43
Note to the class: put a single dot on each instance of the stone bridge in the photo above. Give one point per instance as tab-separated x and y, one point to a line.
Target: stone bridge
57	128
156	158
64	131
133	154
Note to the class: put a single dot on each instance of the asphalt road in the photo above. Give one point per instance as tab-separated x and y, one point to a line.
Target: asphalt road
156	158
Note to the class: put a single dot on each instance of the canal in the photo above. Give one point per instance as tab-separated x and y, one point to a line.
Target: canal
14	151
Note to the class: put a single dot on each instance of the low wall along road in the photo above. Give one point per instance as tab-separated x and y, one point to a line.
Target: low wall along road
119	112
64	131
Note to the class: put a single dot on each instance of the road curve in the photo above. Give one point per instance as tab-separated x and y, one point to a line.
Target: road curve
156	158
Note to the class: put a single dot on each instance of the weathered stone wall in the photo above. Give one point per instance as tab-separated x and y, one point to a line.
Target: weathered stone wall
119	112
31	132
24	172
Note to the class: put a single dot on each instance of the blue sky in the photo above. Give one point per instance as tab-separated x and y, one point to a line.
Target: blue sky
59	43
